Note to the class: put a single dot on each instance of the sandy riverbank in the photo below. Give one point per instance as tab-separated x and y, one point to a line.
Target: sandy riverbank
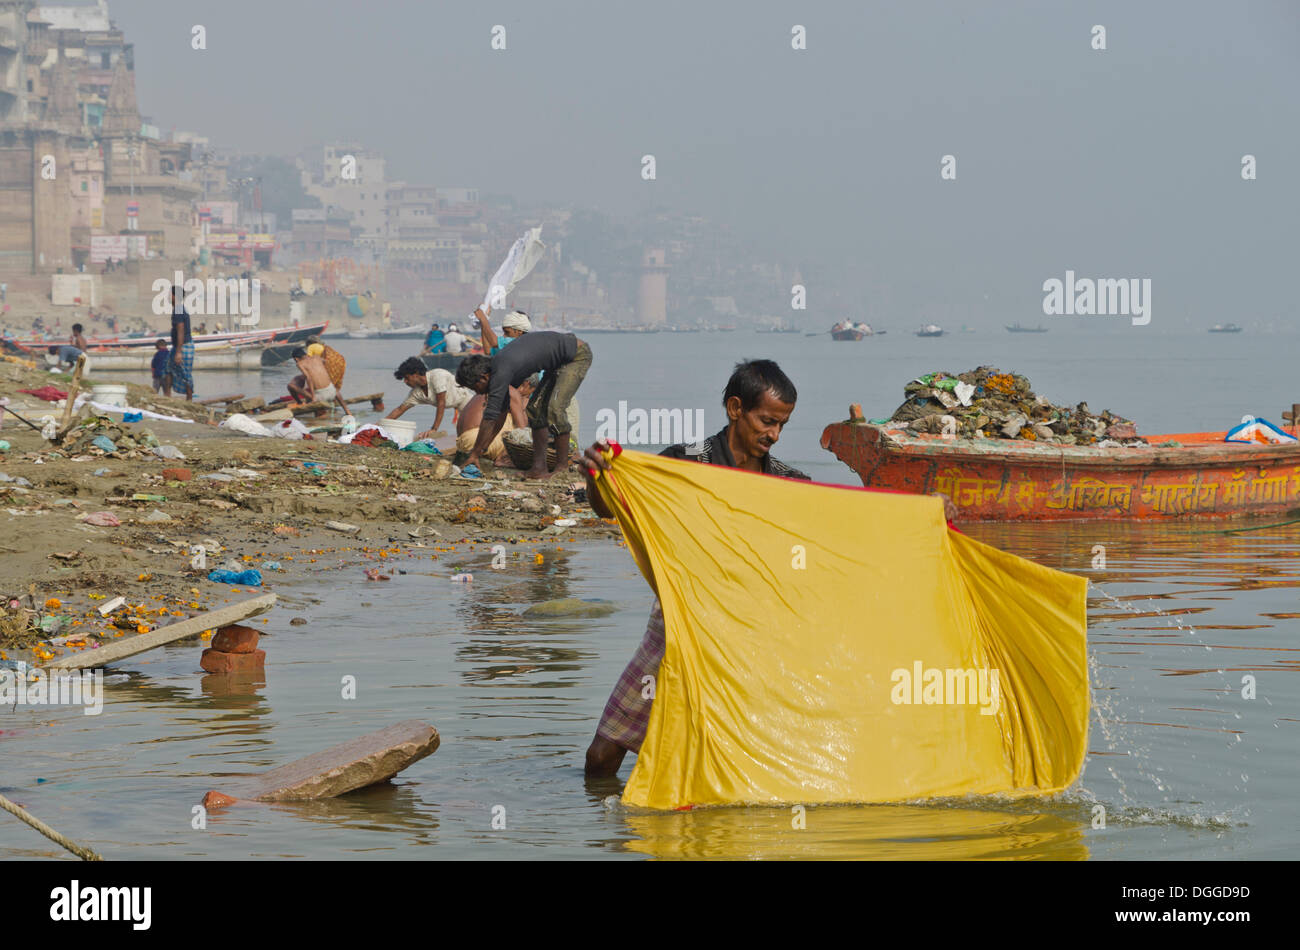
271	503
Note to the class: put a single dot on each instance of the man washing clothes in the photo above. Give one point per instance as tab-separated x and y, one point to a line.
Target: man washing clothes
563	358
759	400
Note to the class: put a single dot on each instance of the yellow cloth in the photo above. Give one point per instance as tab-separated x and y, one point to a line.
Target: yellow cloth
792	609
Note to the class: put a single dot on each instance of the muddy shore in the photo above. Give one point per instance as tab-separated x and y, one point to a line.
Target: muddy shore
249	501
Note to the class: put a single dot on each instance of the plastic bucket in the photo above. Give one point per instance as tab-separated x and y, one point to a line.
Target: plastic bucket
402	430
111	394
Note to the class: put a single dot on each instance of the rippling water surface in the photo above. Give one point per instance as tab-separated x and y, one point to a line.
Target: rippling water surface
1182	765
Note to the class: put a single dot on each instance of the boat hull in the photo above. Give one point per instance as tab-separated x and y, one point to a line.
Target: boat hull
209	358
847	335
1014	480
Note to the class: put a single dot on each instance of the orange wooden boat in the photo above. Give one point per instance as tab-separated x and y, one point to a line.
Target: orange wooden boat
1018	480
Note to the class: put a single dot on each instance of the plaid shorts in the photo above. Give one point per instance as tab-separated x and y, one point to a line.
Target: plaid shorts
627	712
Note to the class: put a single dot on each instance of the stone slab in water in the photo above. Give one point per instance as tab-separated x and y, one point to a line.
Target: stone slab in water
340	769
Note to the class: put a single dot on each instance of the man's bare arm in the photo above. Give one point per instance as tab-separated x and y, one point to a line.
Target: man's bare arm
487	336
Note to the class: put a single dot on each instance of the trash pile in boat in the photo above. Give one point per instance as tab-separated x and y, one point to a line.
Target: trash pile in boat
988	403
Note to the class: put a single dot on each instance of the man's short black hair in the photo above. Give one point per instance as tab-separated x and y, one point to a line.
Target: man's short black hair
752	378
76	328
412	365
299	353
472	369
159	342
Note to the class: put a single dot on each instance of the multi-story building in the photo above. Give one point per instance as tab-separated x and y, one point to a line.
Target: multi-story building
76	161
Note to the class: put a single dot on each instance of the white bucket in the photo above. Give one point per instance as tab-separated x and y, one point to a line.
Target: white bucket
111	394
402	430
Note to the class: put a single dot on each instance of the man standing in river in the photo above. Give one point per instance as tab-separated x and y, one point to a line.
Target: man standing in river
759	400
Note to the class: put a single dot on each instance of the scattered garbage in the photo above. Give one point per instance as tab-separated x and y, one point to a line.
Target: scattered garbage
462	578
218	476
249	578
17	481
4	443
271	566
168	452
156	517
422	447
103	442
403	496
100	471
298	622
241	423
103	519
108	608
291	429
342	526
177	474
988	403
133	416
372	574
141	496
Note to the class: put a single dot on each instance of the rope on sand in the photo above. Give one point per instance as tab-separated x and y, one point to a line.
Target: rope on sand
21	813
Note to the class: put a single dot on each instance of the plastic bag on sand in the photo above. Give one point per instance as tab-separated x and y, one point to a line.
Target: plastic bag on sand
249	578
291	429
105	519
241	423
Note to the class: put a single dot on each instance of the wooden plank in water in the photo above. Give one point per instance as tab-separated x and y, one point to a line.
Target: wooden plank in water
340	769
141	643
216	399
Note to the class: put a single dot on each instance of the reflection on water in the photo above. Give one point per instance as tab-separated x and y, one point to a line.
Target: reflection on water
883	832
1186	622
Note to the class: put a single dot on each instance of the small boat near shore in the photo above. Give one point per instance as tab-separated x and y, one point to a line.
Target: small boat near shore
930	329
1180	476
212	356
1225	328
1017	328
99	345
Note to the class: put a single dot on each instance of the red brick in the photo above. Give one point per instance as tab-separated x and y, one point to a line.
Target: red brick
1122	430
177	474
214	661
235	639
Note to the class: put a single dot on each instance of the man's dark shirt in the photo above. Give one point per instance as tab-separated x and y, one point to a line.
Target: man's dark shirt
545	350
715	451
178	320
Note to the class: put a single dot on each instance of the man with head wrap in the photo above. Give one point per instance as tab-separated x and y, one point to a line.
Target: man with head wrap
515	324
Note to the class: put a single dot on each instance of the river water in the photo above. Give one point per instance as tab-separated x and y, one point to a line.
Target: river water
1192	643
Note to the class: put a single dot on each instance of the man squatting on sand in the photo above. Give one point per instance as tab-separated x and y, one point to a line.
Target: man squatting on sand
563	358
759	400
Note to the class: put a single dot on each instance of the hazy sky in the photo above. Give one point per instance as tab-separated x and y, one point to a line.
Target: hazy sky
1117	163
